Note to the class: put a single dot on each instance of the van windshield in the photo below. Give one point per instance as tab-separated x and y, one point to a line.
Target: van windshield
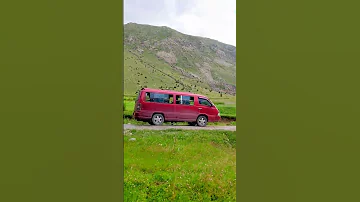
203	101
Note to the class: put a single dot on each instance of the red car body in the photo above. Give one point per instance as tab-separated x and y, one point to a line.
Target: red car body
174	106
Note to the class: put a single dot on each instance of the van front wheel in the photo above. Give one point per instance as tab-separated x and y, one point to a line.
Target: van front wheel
157	119
201	121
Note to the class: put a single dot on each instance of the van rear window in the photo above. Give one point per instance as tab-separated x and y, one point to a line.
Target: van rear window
159	98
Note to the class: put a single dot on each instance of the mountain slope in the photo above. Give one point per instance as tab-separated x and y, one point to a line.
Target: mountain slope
161	57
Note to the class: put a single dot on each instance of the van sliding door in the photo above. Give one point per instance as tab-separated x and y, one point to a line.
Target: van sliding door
185	108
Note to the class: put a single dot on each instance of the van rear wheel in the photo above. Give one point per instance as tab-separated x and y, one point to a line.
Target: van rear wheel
157	119
201	121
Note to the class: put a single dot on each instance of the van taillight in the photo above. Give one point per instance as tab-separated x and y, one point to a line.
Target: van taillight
138	107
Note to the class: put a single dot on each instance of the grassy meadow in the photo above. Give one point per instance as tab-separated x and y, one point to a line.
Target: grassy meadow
177	165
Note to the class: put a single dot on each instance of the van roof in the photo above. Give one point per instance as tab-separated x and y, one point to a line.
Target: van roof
171	91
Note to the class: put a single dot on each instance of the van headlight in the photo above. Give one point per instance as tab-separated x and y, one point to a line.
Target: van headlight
219	114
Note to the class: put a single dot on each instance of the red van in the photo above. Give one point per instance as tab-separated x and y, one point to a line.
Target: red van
159	106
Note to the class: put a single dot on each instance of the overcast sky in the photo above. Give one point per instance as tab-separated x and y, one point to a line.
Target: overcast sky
213	19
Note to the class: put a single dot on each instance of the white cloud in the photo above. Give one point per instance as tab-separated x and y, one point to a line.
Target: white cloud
215	19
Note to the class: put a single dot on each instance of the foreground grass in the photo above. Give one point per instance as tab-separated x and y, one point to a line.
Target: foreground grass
176	165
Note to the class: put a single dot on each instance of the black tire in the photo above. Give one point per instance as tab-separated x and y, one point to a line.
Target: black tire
150	122
157	119
201	121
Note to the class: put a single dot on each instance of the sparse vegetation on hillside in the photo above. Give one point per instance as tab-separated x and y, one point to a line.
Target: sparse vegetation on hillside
160	57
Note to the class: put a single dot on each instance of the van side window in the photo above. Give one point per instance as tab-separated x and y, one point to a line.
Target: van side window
159	98
147	97
203	101
168	98
184	100
171	99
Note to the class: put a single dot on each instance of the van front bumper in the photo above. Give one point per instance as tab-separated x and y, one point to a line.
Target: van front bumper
218	118
214	118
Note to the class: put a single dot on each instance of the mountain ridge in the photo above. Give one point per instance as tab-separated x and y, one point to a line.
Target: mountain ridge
134	23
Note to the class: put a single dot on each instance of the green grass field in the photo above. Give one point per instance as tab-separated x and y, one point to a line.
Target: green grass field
176	165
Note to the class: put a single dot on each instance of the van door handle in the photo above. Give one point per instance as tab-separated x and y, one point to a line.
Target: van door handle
200	108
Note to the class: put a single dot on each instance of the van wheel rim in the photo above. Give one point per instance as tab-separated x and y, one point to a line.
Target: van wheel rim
158	119
202	121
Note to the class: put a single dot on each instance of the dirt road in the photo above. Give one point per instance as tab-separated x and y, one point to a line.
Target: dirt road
149	127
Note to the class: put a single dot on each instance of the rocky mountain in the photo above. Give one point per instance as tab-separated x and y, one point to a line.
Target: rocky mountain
165	58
